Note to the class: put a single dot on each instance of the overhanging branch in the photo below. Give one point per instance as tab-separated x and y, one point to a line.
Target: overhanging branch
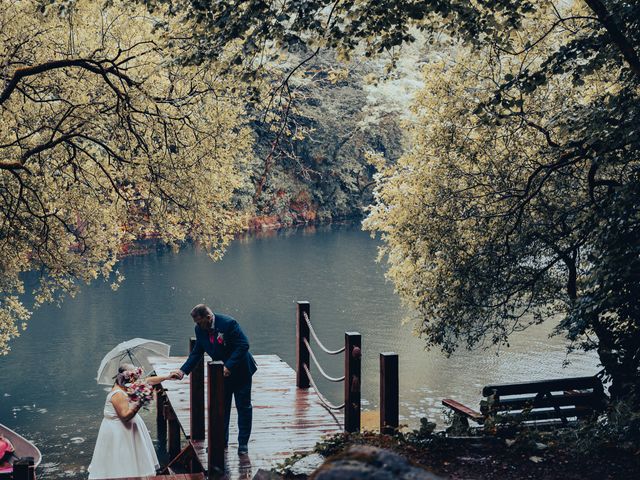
607	21
90	65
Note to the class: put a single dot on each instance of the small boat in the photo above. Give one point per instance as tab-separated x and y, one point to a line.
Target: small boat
23	448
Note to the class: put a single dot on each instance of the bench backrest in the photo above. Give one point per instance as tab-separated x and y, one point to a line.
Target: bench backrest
546	400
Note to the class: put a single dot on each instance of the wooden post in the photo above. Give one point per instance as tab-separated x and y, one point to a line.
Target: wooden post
23	469
196	379
302	354
174	431
352	377
389	392
216	425
161	420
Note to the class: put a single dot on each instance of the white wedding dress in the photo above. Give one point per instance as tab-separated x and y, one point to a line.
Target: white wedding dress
123	449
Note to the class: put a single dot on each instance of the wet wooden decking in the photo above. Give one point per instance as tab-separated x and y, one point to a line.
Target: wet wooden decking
286	419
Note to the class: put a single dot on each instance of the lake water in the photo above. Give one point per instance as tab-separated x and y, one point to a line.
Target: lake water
47	387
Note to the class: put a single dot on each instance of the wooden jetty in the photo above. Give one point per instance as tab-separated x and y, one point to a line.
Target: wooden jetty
286	419
290	414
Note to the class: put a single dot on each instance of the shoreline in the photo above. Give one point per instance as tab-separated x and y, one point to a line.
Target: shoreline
257	229
528	453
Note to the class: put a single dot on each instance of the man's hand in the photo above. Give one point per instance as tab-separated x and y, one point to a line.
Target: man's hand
226	372
177	374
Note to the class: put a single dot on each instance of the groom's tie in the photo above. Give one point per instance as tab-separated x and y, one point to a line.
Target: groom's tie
212	336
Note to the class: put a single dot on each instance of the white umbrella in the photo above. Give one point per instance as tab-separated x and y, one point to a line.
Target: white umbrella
136	351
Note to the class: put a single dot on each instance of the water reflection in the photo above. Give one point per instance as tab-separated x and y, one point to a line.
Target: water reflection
47	386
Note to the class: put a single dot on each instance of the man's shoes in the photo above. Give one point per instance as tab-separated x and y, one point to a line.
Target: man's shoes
243	450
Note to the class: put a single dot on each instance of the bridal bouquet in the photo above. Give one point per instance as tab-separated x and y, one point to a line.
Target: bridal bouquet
140	392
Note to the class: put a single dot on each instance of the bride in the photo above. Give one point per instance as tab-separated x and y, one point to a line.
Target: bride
124	447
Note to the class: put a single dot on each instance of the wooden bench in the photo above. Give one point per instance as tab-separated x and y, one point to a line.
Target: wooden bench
546	402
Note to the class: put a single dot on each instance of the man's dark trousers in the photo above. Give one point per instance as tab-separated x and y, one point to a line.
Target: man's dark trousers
241	391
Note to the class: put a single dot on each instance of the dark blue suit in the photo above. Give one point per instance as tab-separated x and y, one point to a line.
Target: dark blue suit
231	346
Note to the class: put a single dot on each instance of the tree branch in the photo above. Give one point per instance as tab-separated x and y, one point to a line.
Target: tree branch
607	21
90	65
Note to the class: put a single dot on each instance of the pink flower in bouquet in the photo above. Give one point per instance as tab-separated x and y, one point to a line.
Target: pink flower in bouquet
140	392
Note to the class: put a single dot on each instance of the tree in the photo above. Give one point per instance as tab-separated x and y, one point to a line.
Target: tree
106	136
518	202
536	160
605	315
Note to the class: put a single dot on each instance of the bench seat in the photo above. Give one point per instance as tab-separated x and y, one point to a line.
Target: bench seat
543	402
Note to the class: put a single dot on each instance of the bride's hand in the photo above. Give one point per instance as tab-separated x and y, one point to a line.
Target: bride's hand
156	379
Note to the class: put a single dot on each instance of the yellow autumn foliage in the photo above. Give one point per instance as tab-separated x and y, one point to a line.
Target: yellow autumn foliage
476	223
105	136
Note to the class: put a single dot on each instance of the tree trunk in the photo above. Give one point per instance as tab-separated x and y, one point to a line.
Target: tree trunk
621	362
616	34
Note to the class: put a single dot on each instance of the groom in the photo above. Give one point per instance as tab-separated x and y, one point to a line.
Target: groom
223	339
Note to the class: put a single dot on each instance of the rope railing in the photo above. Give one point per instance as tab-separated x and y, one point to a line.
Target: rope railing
352	367
321	397
315	361
315	337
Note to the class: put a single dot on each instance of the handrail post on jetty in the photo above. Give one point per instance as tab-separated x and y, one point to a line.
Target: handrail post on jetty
23	469
389	392
216	427
352	380
174	430
302	334
161	420
196	391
